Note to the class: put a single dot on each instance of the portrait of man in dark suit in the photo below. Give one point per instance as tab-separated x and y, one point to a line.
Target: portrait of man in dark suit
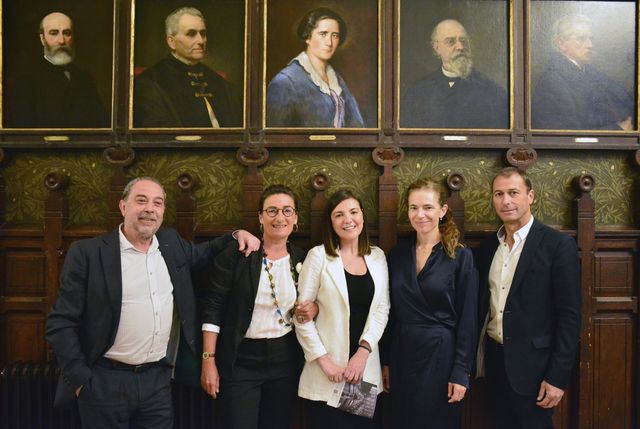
181	91
456	94
54	92
529	308
571	93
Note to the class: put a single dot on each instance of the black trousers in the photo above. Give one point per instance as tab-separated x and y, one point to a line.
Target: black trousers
509	409
263	388
121	397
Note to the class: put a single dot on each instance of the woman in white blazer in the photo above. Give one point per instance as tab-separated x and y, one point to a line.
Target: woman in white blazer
348	279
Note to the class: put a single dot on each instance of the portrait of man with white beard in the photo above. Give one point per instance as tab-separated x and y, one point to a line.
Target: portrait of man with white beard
455	95
53	92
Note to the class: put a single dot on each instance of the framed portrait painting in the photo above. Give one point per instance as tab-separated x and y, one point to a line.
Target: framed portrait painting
322	64
454	73
188	64
583	65
58	64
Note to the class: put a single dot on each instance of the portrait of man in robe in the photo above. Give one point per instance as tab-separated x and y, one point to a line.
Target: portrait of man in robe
188	64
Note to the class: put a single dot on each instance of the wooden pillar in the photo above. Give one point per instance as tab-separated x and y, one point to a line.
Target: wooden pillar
319	182
119	158
3	161
251	156
455	183
584	221
387	156
55	219
186	206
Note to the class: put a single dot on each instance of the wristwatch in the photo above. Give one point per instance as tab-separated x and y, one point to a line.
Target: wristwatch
207	355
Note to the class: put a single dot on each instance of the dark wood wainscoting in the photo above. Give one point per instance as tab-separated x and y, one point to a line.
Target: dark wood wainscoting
604	392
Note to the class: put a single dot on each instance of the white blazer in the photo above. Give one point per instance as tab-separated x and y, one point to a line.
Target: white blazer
322	280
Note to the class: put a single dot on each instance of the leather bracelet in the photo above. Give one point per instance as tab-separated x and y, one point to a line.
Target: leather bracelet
367	348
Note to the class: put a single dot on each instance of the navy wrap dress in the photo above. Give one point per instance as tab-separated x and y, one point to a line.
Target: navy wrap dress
432	331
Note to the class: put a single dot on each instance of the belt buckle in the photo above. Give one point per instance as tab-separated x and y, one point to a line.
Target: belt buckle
140	368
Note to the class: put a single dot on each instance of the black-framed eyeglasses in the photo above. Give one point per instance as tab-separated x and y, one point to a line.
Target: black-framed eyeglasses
287	211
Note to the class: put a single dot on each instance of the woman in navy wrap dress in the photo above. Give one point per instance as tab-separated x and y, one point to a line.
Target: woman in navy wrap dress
431	337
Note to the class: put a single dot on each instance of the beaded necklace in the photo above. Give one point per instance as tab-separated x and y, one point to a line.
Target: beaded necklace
272	285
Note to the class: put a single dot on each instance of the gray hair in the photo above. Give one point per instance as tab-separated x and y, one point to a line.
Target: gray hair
127	188
565	27
171	23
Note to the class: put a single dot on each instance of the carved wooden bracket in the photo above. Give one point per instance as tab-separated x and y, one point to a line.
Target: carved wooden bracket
252	155
636	157
4	157
522	157
119	156
387	155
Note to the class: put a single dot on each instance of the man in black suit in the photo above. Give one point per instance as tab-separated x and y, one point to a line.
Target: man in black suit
180	91
529	307
54	92
455	95
126	313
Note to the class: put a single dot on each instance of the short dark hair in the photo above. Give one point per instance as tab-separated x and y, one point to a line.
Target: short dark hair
510	171
310	21
330	238
127	188
277	189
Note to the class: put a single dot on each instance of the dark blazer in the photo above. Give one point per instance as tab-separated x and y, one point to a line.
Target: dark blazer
229	297
541	323
43	97
84	320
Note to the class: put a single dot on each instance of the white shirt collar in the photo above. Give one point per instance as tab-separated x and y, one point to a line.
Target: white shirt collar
305	62
519	235
126	244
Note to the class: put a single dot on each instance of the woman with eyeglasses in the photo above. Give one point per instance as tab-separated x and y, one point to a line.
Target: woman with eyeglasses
251	359
348	280
431	337
308	92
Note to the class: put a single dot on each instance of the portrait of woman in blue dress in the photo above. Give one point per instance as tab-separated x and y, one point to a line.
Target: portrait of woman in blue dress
308	92
431	337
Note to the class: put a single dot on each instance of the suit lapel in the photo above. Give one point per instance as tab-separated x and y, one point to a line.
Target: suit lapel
526	257
255	269
335	269
110	256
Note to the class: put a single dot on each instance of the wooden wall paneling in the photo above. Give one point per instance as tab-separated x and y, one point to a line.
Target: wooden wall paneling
251	156
55	219
3	161
387	157
119	158
584	221
186	206
613	367
24	331
319	182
